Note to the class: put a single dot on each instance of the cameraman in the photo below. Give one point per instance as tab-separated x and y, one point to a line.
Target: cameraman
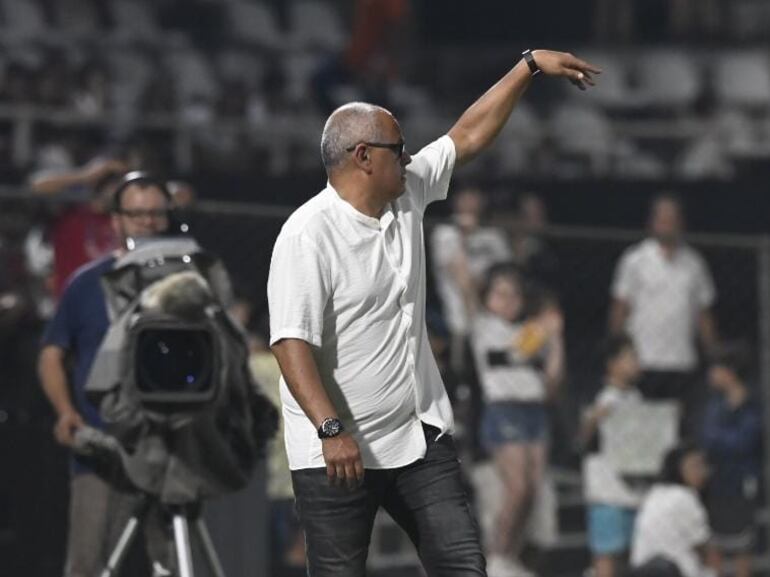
98	512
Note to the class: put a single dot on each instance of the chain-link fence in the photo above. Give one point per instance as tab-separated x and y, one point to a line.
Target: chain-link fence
584	264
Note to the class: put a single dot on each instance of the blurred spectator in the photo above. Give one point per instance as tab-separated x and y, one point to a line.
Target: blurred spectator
287	546
369	56
530	250
672	530
519	353
83	231
732	438
90	95
463	250
612	503
182	192
662	294
98	510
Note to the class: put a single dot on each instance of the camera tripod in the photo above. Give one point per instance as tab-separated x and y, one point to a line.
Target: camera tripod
181	518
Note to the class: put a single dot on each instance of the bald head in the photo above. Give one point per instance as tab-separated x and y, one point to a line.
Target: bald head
347	126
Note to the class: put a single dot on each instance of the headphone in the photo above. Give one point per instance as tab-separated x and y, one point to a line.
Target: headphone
142	178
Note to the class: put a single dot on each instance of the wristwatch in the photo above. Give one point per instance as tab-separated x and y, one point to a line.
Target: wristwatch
530	60
330	427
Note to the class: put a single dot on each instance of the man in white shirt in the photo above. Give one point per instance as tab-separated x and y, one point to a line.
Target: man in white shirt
662	295
367	418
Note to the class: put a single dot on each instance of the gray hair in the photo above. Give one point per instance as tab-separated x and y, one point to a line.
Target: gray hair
347	126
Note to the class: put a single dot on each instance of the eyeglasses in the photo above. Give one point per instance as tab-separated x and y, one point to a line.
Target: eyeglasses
137	214
397	147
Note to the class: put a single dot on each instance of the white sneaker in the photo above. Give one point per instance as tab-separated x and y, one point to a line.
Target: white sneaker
501	566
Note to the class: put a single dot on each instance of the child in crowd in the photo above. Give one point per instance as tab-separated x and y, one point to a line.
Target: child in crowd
672	531
519	350
611	502
732	437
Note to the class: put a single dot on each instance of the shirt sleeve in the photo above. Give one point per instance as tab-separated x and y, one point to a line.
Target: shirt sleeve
60	330
607	399
705	293
430	171
692	521
624	283
298	288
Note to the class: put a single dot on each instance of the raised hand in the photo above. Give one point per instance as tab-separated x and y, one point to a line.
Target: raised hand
578	71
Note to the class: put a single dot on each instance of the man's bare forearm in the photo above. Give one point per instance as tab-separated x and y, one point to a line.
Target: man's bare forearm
619	311
53	379
300	371
482	122
707	327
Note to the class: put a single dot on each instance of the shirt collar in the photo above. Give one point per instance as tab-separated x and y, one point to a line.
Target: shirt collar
369	221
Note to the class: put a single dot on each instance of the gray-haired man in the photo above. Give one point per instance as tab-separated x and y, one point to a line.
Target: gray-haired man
367	419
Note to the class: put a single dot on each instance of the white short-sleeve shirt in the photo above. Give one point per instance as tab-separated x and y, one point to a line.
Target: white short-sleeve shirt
665	296
353	286
672	523
601	482
504	376
482	248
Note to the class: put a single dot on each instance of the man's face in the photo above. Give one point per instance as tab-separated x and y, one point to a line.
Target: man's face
627	365
143	212
533	214
666	221
389	169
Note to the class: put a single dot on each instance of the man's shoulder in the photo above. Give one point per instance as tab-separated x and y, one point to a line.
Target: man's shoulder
310	219
91	271
692	254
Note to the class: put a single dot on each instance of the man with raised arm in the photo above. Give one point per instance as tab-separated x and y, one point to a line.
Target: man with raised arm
368	422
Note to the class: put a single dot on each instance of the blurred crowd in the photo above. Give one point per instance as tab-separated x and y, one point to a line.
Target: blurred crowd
243	94
671	446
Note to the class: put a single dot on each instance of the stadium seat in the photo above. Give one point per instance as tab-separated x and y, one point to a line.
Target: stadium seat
520	137
742	79
24	19
582	132
240	65
254	23
77	18
135	20
192	76
316	24
668	79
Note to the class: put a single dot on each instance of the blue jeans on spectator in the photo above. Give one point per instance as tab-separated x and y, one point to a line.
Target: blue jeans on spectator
426	498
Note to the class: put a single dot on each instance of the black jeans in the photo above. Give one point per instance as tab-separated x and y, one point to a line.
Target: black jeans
426	498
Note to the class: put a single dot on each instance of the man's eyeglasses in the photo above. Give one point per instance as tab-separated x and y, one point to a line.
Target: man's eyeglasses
397	147
137	214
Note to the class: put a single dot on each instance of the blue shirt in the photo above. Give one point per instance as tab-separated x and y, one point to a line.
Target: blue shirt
79	326
732	437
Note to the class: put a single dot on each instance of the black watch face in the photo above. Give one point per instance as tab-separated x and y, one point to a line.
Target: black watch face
331	428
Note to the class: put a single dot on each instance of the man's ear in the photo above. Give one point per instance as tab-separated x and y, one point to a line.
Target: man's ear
362	158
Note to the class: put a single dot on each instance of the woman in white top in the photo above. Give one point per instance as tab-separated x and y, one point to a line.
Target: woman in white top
672	528
519	350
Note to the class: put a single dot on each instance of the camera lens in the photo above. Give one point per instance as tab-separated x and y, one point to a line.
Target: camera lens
174	361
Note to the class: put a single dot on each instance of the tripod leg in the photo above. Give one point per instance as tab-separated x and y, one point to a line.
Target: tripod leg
208	548
121	548
182	542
